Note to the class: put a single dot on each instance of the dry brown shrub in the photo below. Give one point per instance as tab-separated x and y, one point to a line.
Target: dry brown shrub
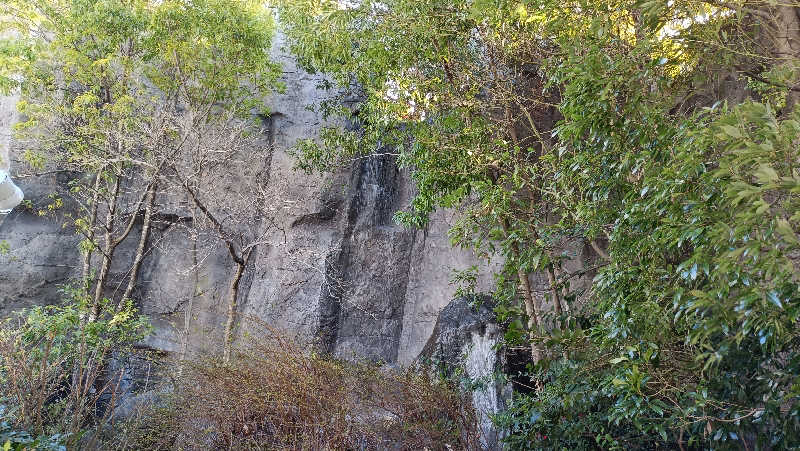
275	394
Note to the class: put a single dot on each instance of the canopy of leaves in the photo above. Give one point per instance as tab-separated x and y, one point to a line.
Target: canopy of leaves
604	122
97	75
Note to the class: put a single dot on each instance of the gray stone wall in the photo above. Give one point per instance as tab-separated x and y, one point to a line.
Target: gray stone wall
337	269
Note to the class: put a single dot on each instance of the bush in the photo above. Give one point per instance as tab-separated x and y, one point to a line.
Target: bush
20	440
53	378
274	394
697	343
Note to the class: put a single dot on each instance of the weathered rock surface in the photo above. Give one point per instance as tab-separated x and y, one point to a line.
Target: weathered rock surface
465	339
337	268
39	255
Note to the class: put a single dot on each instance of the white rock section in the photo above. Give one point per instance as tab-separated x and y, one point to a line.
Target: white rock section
481	364
433	262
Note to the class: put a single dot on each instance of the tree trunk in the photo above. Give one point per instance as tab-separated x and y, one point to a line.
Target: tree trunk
559	272
787	48
551	278
233	294
187	318
781	33
87	258
533	313
140	249
599	250
108	252
531	306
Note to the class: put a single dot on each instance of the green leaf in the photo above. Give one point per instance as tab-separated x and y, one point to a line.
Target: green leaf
765	174
772	296
731	131
785	229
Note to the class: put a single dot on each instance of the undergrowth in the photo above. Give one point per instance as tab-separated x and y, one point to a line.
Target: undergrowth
276	394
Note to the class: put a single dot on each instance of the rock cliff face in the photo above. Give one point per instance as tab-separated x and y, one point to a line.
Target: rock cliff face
465	338
337	269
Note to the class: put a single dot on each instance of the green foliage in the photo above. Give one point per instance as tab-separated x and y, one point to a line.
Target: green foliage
98	74
53	377
705	326
19	440
589	121
571	415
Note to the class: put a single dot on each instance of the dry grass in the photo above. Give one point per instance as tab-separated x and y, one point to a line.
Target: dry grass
276	395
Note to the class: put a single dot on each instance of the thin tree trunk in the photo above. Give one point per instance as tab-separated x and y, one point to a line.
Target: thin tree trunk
533	313
599	250
788	46
239	260
140	249
233	294
87	257
531	307
108	253
551	278
559	271
187	318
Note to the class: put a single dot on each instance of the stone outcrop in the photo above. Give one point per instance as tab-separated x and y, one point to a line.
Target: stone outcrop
337	269
465	340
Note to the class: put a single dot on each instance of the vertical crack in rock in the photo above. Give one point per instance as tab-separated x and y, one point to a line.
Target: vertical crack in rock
270	123
330	304
244	290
